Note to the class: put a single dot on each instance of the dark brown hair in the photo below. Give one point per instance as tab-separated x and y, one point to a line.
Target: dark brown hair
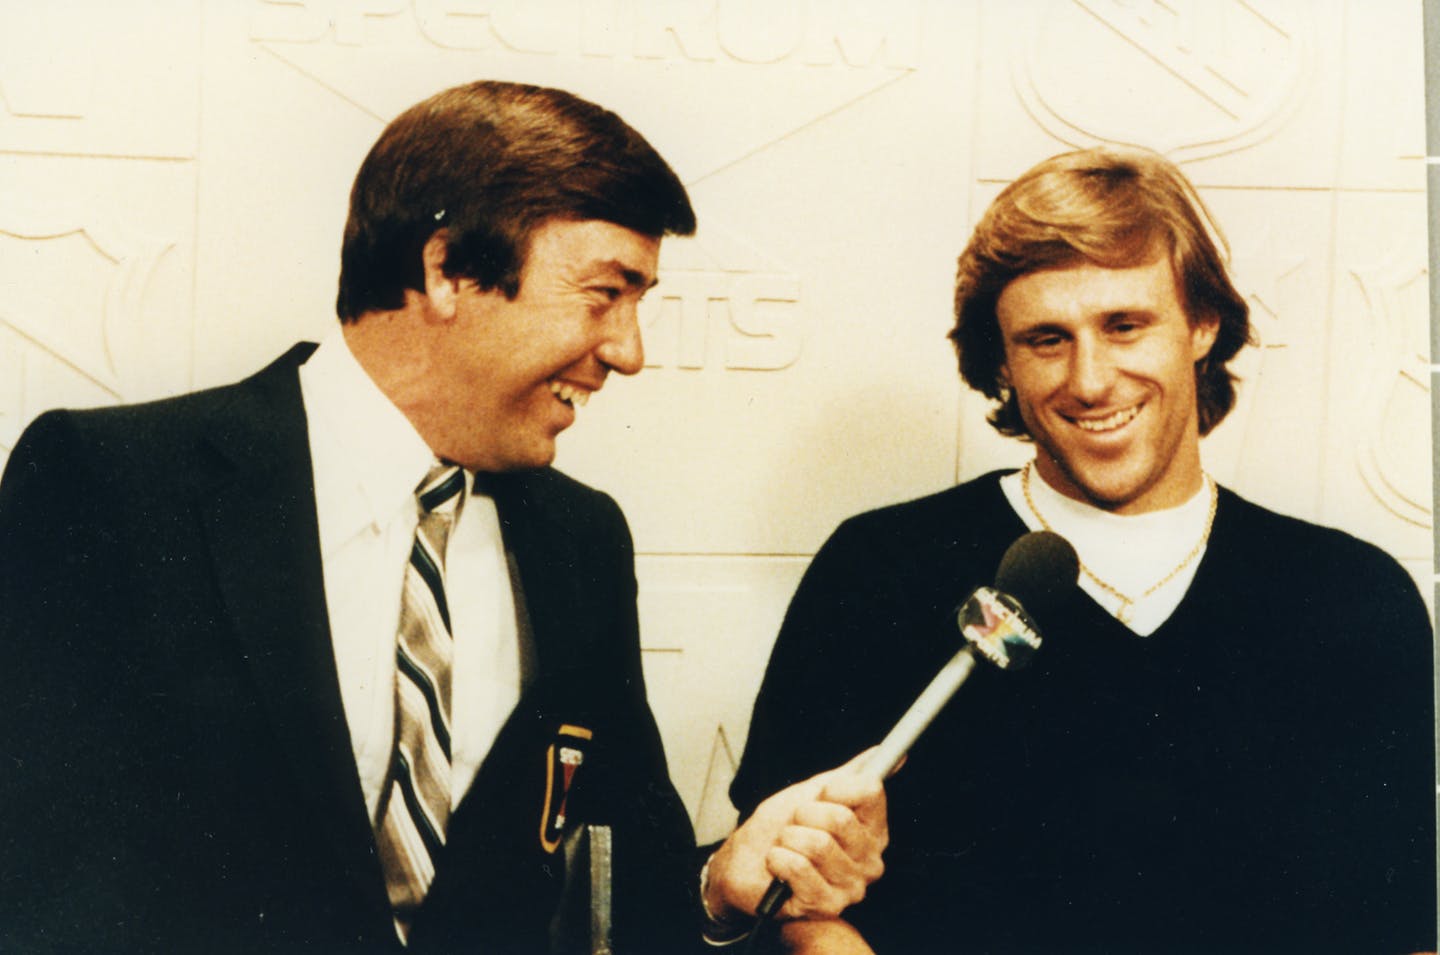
490	162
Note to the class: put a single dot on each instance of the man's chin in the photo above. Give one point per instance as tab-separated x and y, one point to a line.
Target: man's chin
541	456
1092	482
527	459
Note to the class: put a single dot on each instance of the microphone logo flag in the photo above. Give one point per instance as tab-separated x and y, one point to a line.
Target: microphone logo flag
997	626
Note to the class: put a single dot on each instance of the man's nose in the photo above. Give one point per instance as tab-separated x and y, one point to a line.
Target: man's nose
1092	371
622	350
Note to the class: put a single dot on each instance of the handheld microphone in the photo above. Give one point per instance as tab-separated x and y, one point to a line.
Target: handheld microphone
1035	574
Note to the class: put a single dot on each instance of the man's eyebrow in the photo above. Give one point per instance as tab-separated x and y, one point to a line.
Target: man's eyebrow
1041	327
639	279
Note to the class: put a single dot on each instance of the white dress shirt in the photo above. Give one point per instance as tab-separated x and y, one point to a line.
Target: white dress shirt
1130	552
367	460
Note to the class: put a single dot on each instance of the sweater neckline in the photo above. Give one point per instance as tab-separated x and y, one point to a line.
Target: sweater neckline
1204	567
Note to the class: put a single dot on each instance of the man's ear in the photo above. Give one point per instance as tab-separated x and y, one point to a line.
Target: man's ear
1203	332
441	290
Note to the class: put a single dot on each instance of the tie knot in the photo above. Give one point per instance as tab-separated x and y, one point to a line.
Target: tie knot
440	491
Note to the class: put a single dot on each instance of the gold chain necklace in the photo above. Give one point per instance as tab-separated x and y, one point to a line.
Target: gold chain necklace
1122	613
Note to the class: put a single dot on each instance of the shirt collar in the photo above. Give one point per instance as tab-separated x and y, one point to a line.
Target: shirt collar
1124	549
367	456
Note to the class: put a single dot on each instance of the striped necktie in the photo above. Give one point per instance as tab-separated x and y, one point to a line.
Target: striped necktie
415	806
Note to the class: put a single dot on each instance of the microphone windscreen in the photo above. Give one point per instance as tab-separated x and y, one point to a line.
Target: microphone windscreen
1040	570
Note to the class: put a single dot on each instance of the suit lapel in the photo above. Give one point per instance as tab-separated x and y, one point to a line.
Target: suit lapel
259	515
544	558
547	561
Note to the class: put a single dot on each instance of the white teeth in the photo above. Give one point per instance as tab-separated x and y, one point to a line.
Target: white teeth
569	393
1109	422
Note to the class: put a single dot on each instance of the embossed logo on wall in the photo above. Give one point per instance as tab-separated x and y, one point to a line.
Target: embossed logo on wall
69	327
749	321
1397	400
1192	78
817	32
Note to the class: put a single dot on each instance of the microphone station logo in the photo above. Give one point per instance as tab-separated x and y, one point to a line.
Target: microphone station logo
996	625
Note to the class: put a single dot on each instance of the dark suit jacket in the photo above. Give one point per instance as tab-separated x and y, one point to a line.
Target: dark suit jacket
175	769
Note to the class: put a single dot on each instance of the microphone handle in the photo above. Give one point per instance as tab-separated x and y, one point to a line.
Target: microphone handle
921	714
774	899
893	748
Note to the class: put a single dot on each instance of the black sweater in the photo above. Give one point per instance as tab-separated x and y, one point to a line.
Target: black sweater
1255	776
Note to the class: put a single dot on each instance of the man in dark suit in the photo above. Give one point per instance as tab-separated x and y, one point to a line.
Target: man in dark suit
213	737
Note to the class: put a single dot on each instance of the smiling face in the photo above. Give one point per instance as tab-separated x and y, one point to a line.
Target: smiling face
506	376
1102	364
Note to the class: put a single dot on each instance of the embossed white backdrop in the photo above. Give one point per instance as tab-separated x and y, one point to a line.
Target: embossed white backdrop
173	178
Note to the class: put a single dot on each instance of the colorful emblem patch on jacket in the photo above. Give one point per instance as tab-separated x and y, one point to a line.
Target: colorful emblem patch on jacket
562	761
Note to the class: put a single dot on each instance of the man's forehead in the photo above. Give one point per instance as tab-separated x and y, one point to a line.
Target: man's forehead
1085	284
595	248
